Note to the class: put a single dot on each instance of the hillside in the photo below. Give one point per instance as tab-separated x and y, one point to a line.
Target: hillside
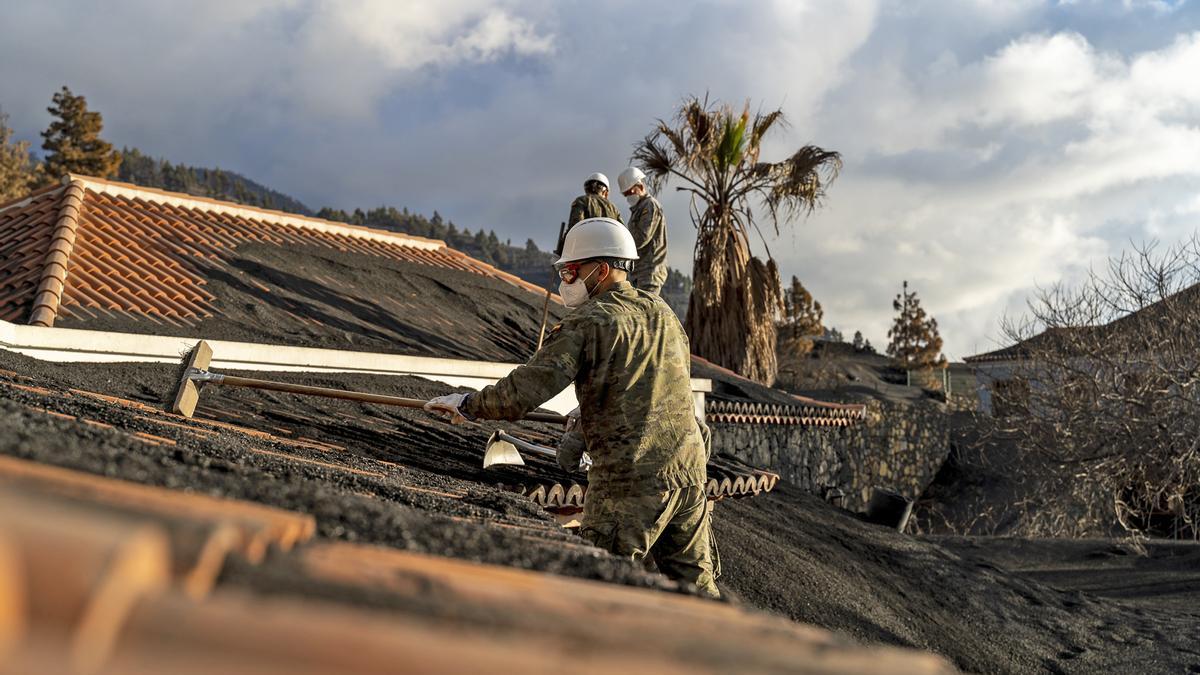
141	169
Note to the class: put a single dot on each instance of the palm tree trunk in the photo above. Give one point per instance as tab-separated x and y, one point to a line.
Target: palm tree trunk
732	309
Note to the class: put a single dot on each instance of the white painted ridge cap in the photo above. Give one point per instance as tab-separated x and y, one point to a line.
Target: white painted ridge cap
111	346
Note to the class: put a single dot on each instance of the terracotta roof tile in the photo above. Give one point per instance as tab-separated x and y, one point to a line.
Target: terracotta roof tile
135	250
25	229
816	413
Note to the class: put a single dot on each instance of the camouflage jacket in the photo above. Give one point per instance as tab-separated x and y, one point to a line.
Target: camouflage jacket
592	206
630	362
649	230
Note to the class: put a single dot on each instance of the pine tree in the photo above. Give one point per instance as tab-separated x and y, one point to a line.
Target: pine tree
861	344
72	141
802	317
18	172
915	341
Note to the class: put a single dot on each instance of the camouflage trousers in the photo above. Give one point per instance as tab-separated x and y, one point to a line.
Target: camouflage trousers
673	528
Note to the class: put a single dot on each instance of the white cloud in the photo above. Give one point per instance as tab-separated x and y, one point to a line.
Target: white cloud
989	144
983	178
268	61
1159	6
347	54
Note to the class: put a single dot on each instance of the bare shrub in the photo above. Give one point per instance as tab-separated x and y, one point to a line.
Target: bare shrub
1103	403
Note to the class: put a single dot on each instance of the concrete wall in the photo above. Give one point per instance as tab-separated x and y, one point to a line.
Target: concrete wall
901	446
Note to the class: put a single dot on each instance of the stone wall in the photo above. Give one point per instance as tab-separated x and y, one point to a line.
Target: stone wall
900	446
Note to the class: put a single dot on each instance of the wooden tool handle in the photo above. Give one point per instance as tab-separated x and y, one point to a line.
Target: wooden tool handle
545	315
233	381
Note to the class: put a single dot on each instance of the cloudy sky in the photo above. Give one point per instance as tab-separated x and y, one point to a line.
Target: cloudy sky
988	145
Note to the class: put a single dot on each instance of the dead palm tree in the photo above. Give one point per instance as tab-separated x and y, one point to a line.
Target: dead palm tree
713	152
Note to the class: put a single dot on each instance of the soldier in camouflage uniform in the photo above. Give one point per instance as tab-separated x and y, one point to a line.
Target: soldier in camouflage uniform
630	362
593	203
649	229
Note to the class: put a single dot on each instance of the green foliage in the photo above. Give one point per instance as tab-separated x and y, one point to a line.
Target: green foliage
142	169
18	172
915	342
72	141
733	140
527	262
861	344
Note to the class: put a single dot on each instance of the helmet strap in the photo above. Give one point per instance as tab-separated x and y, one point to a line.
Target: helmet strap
589	276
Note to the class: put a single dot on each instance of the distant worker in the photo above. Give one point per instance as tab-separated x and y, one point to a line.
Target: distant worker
649	229
630	362
593	203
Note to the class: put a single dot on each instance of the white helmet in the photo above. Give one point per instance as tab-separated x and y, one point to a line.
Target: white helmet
598	238
599	178
630	177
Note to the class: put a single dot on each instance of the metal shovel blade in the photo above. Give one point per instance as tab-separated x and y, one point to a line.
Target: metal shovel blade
500	451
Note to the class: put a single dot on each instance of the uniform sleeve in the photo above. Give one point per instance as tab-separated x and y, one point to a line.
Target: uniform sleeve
578	208
616	213
524	389
640	226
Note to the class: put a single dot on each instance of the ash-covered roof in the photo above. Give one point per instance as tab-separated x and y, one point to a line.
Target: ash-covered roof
104	576
1051	338
738	400
342	437
1129	326
101	255
110	256
298	469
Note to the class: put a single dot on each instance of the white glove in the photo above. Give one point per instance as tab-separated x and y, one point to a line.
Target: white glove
447	406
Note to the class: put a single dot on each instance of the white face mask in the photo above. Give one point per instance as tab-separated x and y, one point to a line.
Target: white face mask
575	293
633	199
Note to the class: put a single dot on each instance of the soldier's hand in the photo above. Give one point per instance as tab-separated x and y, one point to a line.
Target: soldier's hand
448	406
706	436
570	451
572	420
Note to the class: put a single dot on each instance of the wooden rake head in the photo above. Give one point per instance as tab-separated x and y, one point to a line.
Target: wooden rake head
187	392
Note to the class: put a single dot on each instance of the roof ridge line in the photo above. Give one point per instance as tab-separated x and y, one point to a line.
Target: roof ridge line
29	198
54	266
800	400
129	190
505	276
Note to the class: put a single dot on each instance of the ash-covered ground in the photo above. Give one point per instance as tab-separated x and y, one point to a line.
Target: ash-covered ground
398	489
984	603
990	605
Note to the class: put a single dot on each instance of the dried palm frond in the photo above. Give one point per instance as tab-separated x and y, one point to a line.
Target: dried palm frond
713	152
